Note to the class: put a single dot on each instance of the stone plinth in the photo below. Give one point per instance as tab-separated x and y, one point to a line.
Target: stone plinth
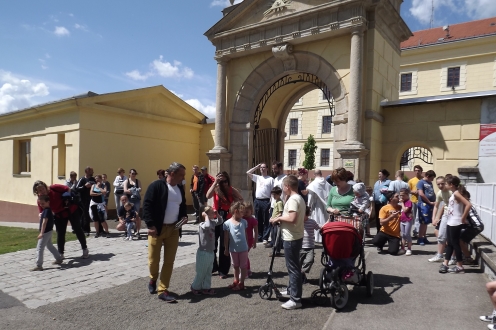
469	174
353	159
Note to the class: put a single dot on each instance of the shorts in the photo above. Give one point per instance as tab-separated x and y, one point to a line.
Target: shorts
239	259
425	213
468	234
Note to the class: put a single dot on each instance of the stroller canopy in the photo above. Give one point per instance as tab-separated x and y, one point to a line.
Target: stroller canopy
341	240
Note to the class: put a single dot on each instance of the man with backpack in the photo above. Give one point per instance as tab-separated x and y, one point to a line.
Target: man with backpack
63	213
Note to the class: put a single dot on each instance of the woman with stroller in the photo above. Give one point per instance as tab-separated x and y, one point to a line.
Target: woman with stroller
341	195
224	195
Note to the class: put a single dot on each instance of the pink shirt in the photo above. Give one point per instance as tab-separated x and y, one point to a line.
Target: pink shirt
405	217
252	223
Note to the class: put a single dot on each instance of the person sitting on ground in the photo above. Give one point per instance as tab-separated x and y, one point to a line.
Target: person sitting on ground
205	253
362	199
121	213
45	236
130	220
406	220
389	217
458	210
277	210
491	290
251	232
236	245
308	245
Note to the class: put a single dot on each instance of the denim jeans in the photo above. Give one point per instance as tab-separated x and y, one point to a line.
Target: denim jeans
262	207
292	256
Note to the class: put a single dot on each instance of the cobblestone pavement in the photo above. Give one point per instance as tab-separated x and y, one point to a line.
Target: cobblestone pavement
112	262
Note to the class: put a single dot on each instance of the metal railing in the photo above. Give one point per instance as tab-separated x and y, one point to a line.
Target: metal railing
483	198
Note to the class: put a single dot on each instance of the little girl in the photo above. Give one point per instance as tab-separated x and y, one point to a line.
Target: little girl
130	220
251	232
458	210
235	239
205	253
406	220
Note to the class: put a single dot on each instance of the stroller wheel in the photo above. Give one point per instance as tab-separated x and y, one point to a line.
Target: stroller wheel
370	284
323	282
319	297
265	292
339	297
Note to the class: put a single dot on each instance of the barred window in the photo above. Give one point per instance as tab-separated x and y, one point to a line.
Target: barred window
453	77
326	124
406	82
292	157
325	157
293	127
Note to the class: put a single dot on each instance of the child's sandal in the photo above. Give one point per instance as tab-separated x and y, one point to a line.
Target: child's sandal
233	285
239	287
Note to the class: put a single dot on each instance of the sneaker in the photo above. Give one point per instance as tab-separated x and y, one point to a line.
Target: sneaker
265	242
456	270
124	238
285	294
152	286
408	252
421	241
469	261
37	269
452	262
97	235
62	256
165	296
210	292
491	326
488	318
86	254
291	305
436	258
426	241
58	262
443	269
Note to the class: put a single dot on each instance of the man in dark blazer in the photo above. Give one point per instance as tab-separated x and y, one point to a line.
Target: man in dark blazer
164	207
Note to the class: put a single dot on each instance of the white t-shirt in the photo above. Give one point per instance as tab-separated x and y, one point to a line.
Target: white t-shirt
174	201
278	183
455	212
264	186
396	185
294	231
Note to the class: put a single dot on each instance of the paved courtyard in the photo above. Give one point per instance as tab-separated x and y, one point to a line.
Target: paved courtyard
108	291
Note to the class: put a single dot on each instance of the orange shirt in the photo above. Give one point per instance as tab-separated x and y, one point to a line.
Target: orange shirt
393	226
195	183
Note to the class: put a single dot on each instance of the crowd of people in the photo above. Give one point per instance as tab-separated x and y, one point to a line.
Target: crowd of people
229	227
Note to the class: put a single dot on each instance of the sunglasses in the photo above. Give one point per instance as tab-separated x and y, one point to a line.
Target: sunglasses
134	173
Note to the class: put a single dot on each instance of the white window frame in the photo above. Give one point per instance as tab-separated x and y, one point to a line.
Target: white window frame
414	90
294	115
463	76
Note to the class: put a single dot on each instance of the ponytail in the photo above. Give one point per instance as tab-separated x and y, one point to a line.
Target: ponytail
455	181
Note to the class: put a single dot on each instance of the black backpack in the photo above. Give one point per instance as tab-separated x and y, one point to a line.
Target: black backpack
70	198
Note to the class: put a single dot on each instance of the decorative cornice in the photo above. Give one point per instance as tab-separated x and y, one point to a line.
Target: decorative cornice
284	52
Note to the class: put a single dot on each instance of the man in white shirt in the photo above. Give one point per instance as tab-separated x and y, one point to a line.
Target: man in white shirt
164	209
263	186
318	191
292	228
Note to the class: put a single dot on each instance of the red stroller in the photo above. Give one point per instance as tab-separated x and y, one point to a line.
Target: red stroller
343	259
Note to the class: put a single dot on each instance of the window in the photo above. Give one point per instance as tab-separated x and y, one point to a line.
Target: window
325	156
292	157
61	147
293	126
453	77
406	82
24	156
326	124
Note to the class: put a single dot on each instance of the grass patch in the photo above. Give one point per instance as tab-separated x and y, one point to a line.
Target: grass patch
14	239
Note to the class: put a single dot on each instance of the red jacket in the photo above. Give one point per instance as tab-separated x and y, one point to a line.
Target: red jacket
56	203
209	180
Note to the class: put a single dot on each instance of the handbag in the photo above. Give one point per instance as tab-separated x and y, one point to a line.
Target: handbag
474	220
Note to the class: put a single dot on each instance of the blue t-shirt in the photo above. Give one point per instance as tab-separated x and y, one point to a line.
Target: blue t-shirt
47	213
237	235
428	190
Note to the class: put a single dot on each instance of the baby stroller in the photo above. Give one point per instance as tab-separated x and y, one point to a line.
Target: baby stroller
343	259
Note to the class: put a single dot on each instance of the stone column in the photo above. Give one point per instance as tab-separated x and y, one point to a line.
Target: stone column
356	92
220	109
353	152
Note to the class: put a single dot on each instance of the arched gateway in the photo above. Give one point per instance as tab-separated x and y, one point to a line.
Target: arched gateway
348	48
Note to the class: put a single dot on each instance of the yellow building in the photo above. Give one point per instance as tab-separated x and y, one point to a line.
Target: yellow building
145	129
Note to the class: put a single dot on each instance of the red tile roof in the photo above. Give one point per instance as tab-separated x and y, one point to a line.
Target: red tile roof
459	31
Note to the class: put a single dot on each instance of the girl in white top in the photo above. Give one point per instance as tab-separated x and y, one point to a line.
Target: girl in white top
458	210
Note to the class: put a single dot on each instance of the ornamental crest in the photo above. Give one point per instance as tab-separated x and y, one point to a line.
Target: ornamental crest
278	5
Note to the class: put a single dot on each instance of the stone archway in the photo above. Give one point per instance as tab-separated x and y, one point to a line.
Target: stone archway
254	87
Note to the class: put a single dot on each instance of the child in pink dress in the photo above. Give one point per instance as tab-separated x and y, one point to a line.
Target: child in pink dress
251	231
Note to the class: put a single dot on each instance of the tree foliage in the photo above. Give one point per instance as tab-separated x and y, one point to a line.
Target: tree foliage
310	148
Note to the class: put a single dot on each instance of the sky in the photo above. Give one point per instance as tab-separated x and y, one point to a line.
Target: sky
51	50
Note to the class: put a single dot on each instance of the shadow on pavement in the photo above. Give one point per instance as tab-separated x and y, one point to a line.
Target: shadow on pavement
185	243
80	262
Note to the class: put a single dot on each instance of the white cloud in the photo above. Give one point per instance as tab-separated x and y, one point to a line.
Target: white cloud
17	93
61	31
474	9
207	109
223	3
43	64
81	27
164	69
71	14
47	55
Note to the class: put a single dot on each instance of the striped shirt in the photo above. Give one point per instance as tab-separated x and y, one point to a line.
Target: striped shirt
309	234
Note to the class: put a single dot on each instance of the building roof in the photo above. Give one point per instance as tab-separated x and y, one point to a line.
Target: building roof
437	98
457	32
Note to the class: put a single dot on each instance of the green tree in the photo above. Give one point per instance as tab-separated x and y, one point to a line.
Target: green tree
310	149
